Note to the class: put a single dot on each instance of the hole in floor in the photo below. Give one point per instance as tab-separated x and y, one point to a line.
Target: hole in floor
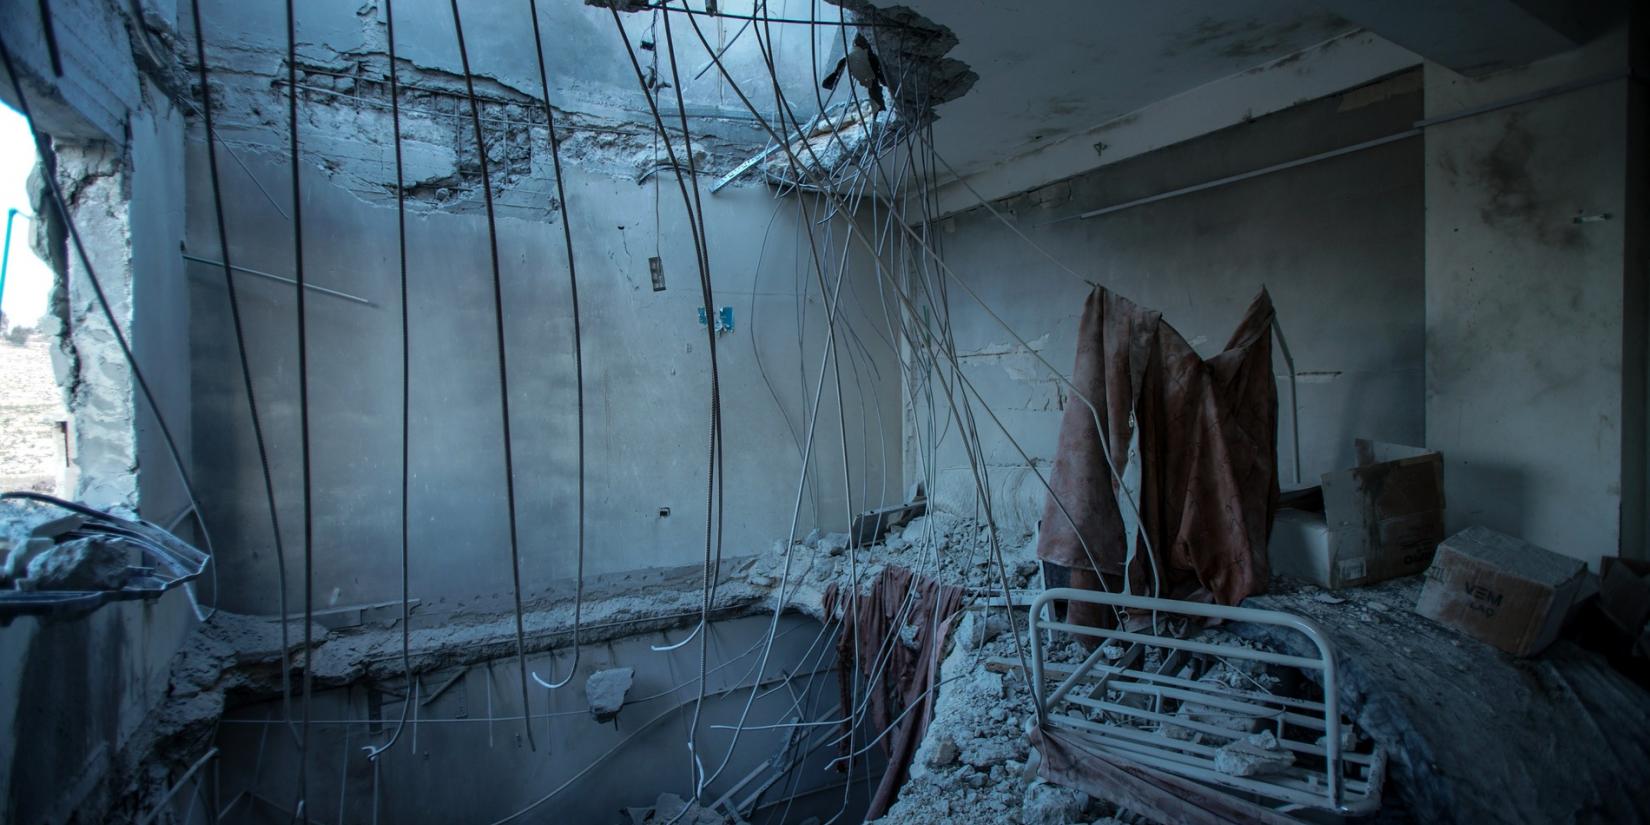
464	756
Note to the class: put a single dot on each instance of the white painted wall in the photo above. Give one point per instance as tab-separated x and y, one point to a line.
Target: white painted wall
1338	245
1526	325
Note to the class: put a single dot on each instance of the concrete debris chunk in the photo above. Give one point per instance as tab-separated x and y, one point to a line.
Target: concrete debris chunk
945	753
1025	570
672	808
987	752
1256	755
80	564
605	691
23	551
834	544
983	627
1050	804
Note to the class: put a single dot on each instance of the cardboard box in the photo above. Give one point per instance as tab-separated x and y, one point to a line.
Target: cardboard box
1300	546
1381	519
1501	590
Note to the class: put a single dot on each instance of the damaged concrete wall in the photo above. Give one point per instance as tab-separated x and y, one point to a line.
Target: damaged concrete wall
434	776
78	694
1337	243
159	304
646	365
75	696
1530	353
116	139
97	385
603	116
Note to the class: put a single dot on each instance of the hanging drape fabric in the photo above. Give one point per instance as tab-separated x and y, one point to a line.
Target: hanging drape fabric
897	651
1194	439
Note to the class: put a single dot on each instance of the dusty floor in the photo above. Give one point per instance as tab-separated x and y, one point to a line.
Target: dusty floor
30	407
1433	699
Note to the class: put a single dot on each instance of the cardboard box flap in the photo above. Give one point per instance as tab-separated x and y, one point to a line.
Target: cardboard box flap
1370	451
1516	557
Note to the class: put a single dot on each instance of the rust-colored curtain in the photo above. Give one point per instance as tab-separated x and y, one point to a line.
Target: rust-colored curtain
1207	455
904	673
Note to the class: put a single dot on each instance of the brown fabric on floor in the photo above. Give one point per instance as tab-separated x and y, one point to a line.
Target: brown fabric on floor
904	673
1207	434
1159	796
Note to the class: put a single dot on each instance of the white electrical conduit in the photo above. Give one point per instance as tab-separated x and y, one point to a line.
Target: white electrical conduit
1076	393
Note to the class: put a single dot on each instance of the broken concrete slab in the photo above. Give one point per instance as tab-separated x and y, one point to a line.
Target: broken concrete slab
20	554
58	526
605	691
80	564
870	526
1418	689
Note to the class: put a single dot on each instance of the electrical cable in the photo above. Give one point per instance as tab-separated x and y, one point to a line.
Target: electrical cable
927	247
697	216
951	275
717	469
578	335
246	367
49	30
817	264
303	401
594	763
703	261
406	393
503	364
55	190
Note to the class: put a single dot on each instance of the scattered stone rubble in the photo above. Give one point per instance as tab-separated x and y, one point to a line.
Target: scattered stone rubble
954	550
974	764
674	809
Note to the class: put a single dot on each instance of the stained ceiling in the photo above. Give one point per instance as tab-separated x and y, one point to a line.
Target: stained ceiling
1050	68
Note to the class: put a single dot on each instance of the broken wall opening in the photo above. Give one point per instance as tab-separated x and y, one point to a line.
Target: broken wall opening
34	440
462	755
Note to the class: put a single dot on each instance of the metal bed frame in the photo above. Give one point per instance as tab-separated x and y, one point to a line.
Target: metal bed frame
1135	703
